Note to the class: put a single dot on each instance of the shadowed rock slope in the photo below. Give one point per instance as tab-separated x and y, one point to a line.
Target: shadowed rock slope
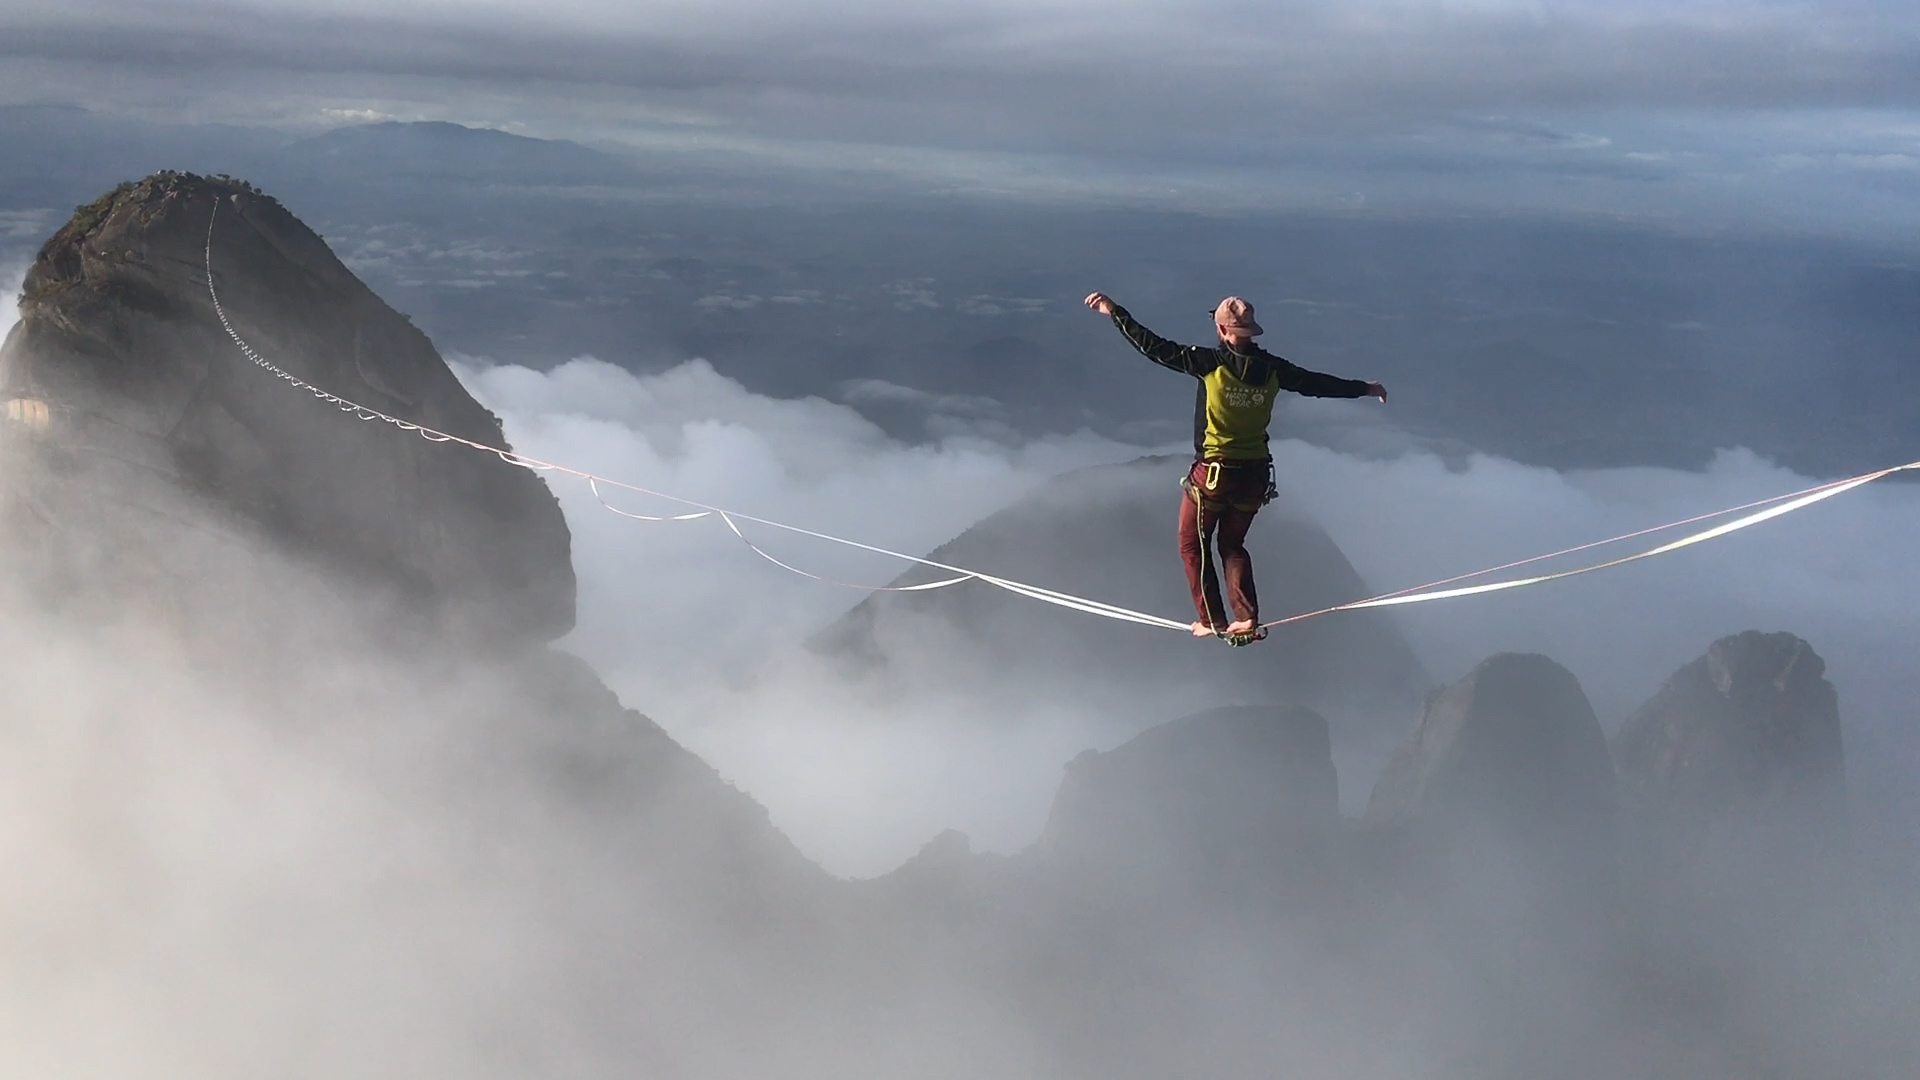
172	482
1243	800
186	538
1749	908
1170	910
1735	769
1488	855
1514	751
119	350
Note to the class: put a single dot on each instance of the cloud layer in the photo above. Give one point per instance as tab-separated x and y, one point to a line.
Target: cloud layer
13	276
697	631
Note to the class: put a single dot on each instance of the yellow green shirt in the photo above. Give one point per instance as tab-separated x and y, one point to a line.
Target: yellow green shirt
1233	406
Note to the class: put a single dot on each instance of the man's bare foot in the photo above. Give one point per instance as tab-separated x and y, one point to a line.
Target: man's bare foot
1241	626
1201	629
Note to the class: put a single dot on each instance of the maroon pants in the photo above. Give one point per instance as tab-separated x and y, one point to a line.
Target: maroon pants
1222	512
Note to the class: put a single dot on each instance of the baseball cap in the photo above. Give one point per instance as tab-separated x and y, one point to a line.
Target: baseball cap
1233	313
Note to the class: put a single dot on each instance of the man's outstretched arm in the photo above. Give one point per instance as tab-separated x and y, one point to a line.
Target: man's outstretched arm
1187	359
1313	384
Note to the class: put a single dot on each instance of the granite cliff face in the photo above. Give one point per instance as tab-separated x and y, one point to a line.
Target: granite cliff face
121	363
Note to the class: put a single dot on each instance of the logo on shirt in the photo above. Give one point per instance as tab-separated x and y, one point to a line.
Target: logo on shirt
1240	398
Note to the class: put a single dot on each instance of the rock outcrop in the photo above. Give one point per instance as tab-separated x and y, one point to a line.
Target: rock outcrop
1488	859
1736	766
1506	781
228	596
1236	801
1747	914
121	361
1181	876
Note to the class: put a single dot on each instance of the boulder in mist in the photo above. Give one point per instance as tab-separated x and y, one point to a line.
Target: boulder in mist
1235	802
1753	926
1507	786
1734	770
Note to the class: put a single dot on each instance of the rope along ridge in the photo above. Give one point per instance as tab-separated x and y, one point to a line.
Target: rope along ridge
1777	506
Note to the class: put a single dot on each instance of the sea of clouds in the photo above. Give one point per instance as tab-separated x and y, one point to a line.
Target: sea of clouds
13	272
694	629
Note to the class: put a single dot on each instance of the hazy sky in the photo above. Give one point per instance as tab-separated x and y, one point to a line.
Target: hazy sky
1796	114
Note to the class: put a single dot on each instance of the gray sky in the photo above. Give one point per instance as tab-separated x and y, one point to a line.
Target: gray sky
1798	114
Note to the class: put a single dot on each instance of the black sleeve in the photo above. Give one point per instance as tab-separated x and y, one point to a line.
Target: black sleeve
1189	359
1313	384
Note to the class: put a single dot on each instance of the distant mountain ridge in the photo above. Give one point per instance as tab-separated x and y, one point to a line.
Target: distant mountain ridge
57	152
437	150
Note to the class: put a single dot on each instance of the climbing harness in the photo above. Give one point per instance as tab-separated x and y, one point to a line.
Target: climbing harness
1775	506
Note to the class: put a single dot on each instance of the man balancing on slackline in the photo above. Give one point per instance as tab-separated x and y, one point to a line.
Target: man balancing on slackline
1232	473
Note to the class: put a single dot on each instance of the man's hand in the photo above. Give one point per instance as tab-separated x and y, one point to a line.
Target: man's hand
1100	302
1375	390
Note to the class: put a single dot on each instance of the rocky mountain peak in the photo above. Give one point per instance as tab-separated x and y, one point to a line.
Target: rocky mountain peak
1738	761
122	360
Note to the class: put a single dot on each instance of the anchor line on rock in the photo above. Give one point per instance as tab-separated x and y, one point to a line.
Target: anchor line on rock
732	518
1443	589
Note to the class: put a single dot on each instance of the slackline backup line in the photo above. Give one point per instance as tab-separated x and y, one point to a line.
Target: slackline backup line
1765	510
